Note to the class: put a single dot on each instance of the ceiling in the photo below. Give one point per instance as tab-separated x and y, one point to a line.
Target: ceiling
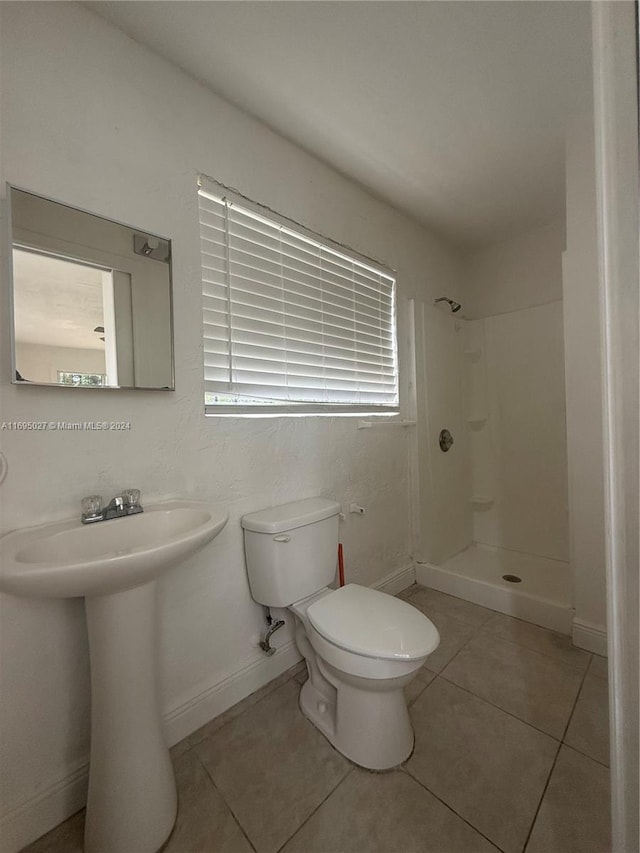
453	112
57	303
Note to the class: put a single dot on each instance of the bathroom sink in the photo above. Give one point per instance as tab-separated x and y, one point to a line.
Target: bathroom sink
68	559
114	565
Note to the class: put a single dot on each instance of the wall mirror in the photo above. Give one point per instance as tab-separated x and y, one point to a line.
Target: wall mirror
91	299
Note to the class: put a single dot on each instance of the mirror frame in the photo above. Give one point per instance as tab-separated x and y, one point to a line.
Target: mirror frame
10	279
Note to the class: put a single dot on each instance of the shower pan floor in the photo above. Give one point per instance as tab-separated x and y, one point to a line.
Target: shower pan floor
543	596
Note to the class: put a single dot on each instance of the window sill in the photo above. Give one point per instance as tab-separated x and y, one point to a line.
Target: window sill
377	418
385	423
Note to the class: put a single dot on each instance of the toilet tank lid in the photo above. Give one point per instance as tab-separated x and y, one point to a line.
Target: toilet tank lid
276	519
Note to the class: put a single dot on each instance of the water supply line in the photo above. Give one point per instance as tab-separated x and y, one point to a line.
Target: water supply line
265	644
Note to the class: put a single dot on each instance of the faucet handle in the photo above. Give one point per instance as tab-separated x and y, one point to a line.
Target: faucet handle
91	506
131	497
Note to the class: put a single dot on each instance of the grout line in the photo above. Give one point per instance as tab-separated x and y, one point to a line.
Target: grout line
462	647
554	658
239	714
588	757
573	710
224	800
585	755
555	760
575	702
540	801
320	804
403	769
497	707
457	617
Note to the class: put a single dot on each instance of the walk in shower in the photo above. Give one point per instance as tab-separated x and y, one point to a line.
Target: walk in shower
493	504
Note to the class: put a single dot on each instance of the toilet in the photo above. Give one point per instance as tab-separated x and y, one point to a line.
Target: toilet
362	647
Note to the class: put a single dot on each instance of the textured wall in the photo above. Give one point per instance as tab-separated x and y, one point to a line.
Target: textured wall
94	120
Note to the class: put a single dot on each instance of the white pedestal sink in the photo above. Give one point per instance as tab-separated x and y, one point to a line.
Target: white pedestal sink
132	803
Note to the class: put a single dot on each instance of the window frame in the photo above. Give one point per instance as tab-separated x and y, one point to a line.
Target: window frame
301	409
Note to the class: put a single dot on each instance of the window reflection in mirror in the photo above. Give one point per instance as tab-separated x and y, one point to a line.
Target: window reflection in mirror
91	299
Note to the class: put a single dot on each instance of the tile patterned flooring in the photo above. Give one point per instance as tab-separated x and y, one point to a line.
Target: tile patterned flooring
511	755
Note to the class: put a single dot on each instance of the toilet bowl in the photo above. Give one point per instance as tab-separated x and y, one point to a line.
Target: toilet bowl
361	646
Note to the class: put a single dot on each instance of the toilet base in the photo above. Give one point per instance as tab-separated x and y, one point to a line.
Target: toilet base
370	727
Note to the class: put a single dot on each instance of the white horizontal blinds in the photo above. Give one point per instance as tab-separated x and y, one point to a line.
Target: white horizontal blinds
289	321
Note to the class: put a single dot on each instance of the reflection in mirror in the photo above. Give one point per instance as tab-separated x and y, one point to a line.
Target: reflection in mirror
91	299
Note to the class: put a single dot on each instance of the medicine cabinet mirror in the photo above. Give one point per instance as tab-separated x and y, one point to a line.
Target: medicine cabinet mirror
91	299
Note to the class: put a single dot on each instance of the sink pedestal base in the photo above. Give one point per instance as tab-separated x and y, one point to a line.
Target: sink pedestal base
132	801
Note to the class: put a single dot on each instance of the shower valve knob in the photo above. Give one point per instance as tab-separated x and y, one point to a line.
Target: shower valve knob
445	440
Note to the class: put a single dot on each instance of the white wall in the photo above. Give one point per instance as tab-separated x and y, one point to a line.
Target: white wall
119	131
584	384
515	374
39	363
515	274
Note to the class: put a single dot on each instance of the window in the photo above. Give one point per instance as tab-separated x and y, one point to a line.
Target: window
66	377
291	324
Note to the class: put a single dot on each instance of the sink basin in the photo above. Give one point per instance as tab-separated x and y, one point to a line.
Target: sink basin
69	559
114	565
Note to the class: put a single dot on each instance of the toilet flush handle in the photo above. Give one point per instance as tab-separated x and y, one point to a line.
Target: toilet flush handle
282	538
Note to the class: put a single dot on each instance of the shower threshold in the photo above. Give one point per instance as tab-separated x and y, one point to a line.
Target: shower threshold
536	589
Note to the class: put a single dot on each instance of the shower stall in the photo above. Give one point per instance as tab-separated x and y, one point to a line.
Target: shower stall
492	459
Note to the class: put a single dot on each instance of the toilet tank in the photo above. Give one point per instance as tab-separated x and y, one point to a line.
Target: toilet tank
291	550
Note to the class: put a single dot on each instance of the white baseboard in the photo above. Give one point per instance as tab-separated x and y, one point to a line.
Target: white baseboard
65	796
210	700
591	637
46	809
396	581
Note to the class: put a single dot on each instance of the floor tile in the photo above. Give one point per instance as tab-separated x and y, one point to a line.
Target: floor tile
539	639
588	730
204	821
574	816
599	667
489	767
239	708
415	687
272	767
67	837
385	813
408	592
453	635
440	602
534	687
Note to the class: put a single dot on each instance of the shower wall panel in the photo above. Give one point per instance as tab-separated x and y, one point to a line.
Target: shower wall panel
519	455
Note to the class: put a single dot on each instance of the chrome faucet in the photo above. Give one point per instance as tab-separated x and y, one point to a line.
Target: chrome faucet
126	503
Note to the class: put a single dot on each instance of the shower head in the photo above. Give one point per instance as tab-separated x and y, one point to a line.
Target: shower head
455	306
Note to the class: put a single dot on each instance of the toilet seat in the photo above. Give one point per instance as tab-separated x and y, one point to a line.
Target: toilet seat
372	624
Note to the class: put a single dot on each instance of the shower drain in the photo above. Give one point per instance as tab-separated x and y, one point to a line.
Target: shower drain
512	578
